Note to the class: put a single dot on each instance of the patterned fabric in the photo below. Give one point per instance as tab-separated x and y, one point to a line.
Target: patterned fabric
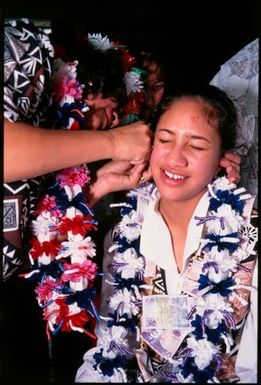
240	307
28	57
214	287
239	78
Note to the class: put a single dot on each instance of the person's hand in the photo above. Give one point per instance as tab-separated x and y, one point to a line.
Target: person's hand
131	142
231	162
117	176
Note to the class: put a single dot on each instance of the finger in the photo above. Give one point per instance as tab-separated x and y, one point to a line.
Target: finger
136	175
147	175
232	179
229	164
233	157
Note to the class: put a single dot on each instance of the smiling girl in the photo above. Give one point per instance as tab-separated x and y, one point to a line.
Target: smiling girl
179	292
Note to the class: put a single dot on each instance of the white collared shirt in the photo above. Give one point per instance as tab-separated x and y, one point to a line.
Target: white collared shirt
156	246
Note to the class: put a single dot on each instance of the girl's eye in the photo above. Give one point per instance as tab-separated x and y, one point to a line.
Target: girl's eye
157	86
197	147
163	140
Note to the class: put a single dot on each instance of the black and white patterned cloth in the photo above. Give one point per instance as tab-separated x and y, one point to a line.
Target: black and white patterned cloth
28	58
239	77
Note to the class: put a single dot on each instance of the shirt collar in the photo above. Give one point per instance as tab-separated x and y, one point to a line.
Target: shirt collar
156	244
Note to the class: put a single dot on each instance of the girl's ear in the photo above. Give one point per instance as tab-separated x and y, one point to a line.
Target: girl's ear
219	172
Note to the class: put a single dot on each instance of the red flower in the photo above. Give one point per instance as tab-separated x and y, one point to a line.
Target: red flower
78	320
77	225
48	204
134	104
50	248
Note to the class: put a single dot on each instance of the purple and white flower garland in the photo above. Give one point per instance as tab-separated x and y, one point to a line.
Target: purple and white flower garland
220	254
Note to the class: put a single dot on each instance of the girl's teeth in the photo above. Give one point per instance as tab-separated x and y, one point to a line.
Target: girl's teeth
174	176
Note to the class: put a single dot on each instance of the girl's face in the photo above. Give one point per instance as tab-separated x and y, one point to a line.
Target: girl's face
186	152
103	112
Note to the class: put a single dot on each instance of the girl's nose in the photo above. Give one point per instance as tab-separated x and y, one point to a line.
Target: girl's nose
115	119
177	157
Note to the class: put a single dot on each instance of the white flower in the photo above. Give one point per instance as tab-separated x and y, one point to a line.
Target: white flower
144	193
100	42
217	304
224	262
124	302
222	183
116	334
129	263
78	247
202	351
130	226
231	220
44	226
133	82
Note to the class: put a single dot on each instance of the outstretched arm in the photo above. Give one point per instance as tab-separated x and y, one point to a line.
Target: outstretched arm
32	151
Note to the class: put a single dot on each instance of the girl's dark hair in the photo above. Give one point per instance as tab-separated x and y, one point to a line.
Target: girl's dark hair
218	107
101	72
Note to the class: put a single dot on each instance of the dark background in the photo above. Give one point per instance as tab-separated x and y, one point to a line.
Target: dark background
193	37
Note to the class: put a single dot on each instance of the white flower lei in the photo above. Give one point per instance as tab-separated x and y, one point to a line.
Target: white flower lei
222	250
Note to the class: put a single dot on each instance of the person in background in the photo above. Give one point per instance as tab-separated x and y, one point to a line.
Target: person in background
179	296
154	82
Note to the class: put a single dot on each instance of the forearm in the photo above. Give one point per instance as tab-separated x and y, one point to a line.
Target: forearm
32	151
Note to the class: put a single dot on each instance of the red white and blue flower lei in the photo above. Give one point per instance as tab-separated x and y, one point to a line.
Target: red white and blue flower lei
62	249
221	251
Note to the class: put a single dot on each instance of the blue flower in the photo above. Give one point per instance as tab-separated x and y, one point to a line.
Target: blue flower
107	365
199	376
67	111
221	243
227	198
79	202
124	244
221	287
121	283
215	334
197	324
132	201
128	323
82	298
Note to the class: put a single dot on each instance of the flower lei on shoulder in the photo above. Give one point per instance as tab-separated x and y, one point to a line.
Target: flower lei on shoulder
62	250
222	249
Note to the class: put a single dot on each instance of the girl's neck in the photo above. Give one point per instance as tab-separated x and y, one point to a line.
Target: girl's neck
178	213
177	216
